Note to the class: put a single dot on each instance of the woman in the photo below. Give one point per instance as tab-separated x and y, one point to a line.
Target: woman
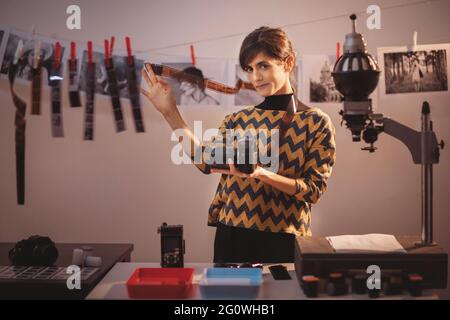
258	215
416	75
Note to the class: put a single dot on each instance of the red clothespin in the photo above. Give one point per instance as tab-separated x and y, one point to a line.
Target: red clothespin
338	50
107	52
72	51
89	45
192	55
130	59
57	54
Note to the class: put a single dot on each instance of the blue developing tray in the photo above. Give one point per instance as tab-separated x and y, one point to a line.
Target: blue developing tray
230	283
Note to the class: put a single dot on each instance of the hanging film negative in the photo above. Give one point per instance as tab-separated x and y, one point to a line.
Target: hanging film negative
56	114
90	102
74	93
114	92
74	81
134	94
36	79
36	88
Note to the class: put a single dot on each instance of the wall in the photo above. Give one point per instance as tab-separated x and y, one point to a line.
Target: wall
121	187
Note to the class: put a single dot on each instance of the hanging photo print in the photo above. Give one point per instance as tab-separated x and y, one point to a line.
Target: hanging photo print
46	51
4	34
187	93
101	76
194	85
318	84
423	69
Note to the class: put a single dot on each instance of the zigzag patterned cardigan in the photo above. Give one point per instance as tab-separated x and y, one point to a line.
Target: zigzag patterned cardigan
306	153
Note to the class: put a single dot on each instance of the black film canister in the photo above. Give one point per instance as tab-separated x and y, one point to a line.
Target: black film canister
310	286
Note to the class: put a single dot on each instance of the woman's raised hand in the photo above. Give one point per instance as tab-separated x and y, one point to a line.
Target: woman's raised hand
159	92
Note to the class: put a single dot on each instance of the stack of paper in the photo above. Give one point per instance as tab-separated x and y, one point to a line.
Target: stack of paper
374	242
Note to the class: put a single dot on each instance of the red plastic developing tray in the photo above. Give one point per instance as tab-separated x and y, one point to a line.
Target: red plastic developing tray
160	283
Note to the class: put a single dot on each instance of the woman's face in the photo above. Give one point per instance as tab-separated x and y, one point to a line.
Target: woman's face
269	76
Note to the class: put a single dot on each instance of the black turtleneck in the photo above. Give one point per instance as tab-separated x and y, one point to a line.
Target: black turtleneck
277	102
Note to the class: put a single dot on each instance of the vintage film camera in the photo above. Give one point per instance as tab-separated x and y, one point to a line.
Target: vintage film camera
243	155
172	246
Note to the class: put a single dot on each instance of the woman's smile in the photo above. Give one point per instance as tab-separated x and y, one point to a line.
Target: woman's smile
262	86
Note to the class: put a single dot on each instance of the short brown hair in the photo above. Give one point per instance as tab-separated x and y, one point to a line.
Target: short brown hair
273	42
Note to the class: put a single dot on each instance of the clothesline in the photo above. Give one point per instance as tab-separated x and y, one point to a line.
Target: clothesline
445	38
289	25
239	34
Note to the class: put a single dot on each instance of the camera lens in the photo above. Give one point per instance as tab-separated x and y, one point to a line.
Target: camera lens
246	155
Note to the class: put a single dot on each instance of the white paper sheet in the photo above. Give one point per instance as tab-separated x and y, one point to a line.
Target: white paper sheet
365	243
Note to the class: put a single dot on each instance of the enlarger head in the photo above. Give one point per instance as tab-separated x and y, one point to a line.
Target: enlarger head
356	75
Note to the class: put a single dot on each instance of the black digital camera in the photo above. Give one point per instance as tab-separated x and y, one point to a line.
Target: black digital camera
243	155
172	246
34	251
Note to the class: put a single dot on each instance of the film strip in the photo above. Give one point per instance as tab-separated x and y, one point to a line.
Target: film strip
74	93
134	93
55	92
90	102
114	92
20	124
36	88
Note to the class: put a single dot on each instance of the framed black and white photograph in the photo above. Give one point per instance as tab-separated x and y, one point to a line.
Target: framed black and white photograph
29	44
318	83
415	71
101	80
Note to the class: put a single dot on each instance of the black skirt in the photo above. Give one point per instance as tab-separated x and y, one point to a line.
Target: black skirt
234	244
